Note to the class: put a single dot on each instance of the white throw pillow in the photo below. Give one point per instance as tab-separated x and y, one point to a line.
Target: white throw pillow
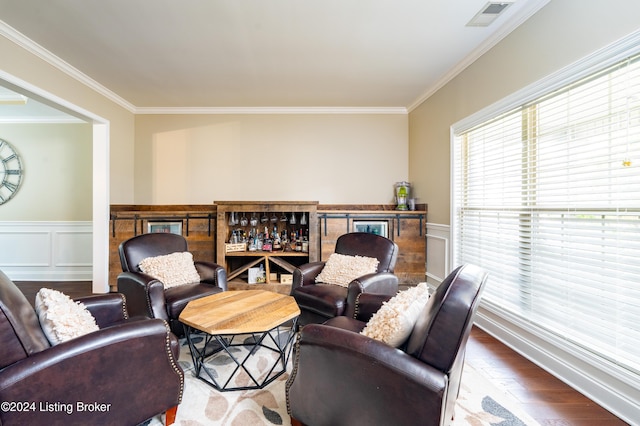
171	269
341	269
394	321
61	318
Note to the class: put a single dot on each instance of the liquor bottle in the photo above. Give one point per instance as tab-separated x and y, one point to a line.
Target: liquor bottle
276	239
259	242
267	244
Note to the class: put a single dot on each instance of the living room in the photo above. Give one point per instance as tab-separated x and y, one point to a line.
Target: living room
332	155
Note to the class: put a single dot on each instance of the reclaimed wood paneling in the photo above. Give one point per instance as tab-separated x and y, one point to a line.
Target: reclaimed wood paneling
198	227
406	228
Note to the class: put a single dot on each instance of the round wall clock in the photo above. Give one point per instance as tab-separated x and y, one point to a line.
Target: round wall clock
10	171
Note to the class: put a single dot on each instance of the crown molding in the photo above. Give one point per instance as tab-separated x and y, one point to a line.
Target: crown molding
272	110
528	9
29	45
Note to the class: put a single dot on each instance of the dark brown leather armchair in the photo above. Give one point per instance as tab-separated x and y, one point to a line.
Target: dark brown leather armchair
128	369
341	377
146	295
319	302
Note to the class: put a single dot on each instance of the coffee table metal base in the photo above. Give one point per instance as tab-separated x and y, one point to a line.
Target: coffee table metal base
278	340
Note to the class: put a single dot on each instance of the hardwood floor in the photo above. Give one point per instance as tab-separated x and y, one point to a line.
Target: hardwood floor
545	398
72	289
542	396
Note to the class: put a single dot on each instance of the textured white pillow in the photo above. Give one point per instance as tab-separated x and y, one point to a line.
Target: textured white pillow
394	321
341	269
61	318
171	269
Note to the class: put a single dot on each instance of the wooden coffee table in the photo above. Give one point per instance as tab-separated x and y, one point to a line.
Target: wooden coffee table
226	316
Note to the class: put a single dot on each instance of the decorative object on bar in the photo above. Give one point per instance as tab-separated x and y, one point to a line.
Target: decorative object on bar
403	192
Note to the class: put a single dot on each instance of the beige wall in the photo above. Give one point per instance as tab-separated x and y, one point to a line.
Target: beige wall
330	158
336	158
561	33
30	68
190	159
57	181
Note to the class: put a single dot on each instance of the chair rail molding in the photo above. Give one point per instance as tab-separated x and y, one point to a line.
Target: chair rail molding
47	251
438	256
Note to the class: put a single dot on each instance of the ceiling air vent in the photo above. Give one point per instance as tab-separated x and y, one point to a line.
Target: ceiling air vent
488	14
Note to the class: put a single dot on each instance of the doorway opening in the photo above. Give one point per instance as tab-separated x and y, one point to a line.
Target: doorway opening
100	171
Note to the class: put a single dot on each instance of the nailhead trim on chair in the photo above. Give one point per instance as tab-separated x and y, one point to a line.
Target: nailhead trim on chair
125	313
294	371
175	367
356	311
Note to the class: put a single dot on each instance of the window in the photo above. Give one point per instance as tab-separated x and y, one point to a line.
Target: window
546	197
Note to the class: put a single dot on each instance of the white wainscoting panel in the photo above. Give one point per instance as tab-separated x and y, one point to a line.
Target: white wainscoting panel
24	248
438	264
46	251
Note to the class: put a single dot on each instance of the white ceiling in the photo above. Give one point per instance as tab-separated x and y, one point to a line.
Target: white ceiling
154	54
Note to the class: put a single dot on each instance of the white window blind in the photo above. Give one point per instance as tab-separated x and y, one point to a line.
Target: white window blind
546	197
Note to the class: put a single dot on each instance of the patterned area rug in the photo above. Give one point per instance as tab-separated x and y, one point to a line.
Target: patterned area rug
480	402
